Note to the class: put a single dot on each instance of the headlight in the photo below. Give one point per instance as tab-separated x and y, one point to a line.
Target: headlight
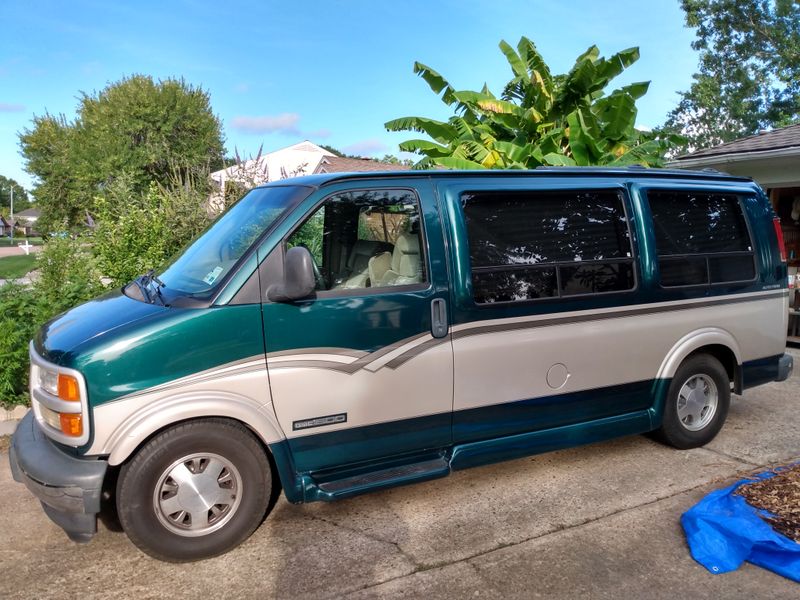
59	401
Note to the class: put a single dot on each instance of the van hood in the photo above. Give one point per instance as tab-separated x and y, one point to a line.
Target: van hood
57	338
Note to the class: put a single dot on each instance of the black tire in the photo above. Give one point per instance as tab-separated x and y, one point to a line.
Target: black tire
673	431
144	522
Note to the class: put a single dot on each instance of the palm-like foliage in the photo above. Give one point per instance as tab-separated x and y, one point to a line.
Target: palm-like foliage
539	119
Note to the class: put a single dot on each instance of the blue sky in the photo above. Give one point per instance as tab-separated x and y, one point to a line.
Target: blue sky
332	71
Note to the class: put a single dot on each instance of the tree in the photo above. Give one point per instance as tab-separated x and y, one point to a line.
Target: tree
749	74
21	200
539	119
137	127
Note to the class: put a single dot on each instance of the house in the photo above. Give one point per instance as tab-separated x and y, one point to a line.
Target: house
5	227
772	158
25	221
303	158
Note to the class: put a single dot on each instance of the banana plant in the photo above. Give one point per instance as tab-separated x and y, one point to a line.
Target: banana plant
539	118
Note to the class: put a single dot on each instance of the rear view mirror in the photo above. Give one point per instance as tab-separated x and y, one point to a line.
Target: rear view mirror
298	277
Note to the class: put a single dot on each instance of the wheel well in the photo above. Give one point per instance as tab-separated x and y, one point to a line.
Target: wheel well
109	487
727	358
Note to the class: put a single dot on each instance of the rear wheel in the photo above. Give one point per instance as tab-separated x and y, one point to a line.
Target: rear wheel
195	490
697	403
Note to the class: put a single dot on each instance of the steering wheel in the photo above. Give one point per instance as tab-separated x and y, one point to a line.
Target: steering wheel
318	277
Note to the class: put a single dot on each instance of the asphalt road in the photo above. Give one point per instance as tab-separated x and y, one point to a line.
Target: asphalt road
601	521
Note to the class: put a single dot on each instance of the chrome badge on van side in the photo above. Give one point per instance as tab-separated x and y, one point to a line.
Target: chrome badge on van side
319	421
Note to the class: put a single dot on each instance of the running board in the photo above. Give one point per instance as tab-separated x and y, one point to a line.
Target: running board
367	482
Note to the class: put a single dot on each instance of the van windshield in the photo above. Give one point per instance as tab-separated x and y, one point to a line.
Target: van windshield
206	261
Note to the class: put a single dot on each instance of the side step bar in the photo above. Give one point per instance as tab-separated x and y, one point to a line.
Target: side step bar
367	482
327	487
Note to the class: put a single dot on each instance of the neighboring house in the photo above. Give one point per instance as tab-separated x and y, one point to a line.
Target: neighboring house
5	227
304	158
340	164
26	221
772	158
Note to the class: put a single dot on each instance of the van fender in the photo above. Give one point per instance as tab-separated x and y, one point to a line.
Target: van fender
693	341
156	415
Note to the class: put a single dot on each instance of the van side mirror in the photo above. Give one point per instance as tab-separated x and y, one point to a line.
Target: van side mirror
298	277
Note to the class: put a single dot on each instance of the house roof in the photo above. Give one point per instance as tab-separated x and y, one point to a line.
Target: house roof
776	139
341	164
29	213
3	222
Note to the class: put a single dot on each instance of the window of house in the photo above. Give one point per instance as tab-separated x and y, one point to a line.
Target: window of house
701	238
544	244
365	239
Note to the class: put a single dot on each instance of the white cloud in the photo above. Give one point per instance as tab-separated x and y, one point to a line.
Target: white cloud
368	147
317	134
285	123
6	107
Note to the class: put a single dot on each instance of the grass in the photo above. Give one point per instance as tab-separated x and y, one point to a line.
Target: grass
14	267
6	241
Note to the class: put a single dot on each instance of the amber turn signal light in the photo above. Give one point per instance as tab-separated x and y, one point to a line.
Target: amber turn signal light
68	388
71	424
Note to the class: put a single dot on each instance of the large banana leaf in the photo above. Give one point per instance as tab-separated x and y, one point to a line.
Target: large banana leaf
517	63
425	147
540	118
558	160
436	82
452	162
441	132
617	112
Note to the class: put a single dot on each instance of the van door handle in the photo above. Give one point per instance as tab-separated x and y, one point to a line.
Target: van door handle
438	318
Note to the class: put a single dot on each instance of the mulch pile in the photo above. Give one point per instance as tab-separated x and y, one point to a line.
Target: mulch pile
780	496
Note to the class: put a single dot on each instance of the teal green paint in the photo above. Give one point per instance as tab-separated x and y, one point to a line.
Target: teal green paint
179	342
305	487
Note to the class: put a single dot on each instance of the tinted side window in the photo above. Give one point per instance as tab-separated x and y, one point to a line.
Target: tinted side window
364	239
701	238
529	245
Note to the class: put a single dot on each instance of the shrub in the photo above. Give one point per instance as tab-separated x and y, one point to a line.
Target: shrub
67	277
143	231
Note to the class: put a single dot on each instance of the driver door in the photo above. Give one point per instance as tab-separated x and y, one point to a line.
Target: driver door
363	370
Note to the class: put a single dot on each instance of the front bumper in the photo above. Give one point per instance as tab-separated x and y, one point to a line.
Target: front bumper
69	488
785	366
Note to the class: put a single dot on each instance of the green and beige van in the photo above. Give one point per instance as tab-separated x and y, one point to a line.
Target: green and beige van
335	334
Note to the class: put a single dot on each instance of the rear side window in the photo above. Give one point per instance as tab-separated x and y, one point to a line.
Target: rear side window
531	245
701	238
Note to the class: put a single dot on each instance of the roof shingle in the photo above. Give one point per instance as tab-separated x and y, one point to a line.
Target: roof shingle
785	137
341	164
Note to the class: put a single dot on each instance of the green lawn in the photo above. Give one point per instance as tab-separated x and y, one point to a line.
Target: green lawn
14	267
33	241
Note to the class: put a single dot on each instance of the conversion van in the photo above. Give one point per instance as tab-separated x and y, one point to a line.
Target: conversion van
335	334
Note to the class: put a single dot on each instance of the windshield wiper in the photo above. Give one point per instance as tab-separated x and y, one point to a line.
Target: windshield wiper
143	289
151	278
144	283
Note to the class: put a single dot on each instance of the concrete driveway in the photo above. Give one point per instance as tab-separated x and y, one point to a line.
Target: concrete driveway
599	521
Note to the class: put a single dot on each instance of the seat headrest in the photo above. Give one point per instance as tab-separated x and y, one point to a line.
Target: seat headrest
406	256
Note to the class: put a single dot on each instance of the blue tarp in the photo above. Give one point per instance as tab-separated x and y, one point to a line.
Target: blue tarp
723	531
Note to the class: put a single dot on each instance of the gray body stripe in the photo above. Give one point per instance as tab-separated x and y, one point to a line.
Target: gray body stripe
416	351
336	351
602	316
351	368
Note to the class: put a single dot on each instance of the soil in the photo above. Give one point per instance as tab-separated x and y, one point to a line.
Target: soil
780	496
5	442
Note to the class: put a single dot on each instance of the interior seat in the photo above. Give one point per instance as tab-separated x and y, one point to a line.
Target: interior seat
404	265
357	274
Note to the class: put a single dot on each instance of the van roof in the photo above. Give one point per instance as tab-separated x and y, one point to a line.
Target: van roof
636	171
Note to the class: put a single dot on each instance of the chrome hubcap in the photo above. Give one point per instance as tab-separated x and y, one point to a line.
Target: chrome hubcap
697	402
197	494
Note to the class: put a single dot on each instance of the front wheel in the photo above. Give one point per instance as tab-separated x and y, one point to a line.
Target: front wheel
195	490
697	403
